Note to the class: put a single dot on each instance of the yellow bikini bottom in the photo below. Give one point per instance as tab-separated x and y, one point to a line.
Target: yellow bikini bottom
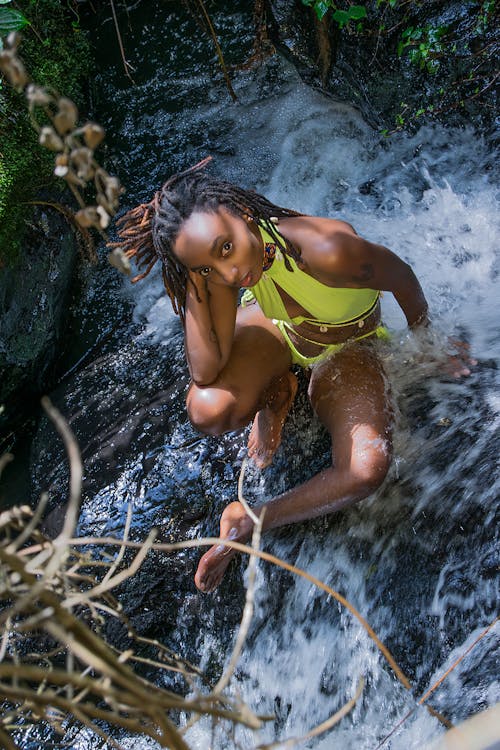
299	359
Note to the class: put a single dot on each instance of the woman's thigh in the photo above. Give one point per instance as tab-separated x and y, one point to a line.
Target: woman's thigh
350	393
259	352
259	356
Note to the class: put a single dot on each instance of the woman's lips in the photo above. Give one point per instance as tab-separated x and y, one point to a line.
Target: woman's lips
246	280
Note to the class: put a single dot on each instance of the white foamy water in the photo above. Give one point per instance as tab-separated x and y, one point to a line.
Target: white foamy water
415	558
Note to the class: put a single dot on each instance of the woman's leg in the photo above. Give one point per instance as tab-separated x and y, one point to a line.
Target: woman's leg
256	382
350	396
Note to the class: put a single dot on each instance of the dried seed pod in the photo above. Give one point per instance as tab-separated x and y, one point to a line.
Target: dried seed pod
61	168
66	117
6	57
13	41
93	134
104	217
113	189
49	138
81	161
88	217
13	69
119	260
102	201
37	96
73	178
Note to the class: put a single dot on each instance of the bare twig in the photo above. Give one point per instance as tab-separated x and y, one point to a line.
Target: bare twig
241	497
320	728
120	554
126	64
60	544
249	601
8	742
210	541
119	577
31	526
438	682
218	50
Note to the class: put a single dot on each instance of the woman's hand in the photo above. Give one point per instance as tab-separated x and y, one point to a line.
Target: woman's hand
459	360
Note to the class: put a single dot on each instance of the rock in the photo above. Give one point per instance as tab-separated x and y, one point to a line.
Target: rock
399	65
33	299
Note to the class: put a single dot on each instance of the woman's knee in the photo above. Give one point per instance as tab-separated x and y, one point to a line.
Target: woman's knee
370	464
214	411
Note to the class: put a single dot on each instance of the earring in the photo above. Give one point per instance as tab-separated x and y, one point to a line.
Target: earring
274	219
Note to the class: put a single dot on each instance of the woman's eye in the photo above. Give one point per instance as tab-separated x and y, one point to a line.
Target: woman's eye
204	271
226	248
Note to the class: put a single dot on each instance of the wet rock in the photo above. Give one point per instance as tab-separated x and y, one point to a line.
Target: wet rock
401	63
33	298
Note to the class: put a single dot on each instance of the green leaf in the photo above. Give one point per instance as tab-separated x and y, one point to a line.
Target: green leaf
321	7
341	17
357	11
11	20
4	2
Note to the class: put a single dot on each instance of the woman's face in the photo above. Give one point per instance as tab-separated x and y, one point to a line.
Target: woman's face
221	247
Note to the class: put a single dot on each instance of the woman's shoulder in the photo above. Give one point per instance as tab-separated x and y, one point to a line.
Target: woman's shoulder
322	242
315	233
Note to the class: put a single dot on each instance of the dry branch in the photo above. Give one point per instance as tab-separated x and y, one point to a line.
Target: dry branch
46	587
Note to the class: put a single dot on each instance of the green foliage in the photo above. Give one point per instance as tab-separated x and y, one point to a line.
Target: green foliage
57	57
485	15
353	13
459	54
342	17
424	46
320	7
10	20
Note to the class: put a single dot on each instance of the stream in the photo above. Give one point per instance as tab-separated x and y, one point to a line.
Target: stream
419	559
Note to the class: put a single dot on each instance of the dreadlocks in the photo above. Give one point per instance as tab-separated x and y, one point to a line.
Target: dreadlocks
148	232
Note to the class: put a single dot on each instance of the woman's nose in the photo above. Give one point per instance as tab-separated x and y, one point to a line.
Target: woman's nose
230	275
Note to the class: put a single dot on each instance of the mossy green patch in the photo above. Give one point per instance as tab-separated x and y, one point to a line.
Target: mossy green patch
57	56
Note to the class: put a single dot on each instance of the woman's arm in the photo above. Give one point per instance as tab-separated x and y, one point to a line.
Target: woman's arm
351	261
342	258
209	327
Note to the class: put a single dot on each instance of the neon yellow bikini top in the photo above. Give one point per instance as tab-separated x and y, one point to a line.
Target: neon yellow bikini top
331	305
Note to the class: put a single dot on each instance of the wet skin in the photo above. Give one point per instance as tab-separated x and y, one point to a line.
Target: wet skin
240	364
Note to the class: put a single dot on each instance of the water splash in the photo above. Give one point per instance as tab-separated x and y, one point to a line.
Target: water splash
418	558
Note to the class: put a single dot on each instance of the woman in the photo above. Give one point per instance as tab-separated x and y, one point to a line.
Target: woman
312	299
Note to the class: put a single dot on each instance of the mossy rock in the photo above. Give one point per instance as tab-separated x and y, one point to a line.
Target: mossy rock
58	56
37	246
33	299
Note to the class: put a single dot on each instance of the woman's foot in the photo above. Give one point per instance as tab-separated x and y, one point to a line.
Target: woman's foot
265	435
234	525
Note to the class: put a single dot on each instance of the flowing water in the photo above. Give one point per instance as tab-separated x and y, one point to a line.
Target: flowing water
419	559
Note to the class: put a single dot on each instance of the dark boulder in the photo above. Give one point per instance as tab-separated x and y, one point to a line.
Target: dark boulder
33	310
